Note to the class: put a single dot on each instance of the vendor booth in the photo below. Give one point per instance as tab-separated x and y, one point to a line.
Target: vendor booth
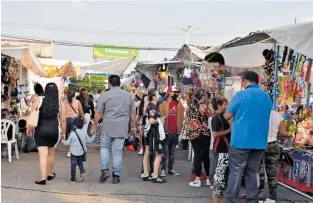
17	65
287	78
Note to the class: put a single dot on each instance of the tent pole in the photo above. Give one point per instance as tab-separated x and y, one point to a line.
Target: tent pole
276	76
308	80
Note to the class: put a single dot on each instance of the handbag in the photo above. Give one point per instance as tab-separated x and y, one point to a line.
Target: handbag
32	119
81	144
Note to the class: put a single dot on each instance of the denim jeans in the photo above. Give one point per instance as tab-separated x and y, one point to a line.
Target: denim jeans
116	145
76	160
243	163
30	143
169	147
213	164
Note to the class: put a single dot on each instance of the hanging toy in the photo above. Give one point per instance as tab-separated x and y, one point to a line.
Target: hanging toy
308	72
301	83
290	59
286	86
284	55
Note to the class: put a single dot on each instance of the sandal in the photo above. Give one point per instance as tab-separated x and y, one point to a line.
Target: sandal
51	177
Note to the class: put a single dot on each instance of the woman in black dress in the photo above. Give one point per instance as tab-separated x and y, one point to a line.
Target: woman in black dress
47	133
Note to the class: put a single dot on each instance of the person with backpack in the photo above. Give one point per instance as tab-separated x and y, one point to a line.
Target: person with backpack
221	131
77	140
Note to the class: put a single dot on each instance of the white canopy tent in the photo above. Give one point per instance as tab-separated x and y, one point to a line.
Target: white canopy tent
26	56
126	81
298	37
112	67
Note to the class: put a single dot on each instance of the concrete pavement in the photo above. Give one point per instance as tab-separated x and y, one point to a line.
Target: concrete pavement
18	183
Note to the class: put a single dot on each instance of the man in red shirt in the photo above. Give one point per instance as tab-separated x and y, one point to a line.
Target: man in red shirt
173	113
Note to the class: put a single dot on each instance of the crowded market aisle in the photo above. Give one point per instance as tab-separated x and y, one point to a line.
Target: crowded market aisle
18	176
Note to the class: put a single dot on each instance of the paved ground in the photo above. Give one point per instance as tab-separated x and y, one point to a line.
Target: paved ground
18	183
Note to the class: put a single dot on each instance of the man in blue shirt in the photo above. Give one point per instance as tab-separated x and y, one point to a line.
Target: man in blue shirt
250	110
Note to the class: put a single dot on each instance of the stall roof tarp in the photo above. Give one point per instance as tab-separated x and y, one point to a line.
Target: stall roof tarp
26	56
113	67
246	56
63	67
192	53
297	36
59	62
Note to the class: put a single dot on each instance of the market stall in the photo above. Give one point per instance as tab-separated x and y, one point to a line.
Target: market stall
287	78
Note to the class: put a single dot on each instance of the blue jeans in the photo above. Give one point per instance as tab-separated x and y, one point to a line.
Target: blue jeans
243	163
116	145
30	143
76	160
169	147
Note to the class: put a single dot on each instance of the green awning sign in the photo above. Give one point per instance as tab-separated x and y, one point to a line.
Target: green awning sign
114	52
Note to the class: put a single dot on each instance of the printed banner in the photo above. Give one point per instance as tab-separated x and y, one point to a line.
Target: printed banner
114	52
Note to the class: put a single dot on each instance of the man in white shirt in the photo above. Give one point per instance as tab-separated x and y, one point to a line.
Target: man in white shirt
270	160
97	96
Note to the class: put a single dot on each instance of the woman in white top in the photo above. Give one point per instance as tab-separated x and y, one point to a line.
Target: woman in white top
270	160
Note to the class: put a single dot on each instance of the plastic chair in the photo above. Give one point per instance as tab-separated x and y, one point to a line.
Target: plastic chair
5	125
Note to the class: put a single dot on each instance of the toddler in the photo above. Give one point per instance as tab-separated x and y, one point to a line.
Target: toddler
77	139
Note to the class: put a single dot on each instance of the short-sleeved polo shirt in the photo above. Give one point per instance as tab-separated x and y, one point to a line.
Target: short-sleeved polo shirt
251	109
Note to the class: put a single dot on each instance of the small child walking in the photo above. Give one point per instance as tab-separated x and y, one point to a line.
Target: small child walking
77	140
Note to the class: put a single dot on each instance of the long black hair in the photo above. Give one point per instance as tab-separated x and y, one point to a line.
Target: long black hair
50	104
198	95
38	89
142	105
70	96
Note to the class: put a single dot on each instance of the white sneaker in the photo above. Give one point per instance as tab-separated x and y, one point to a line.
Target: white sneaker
268	200
140	151
208	182
211	187
163	173
261	202
195	183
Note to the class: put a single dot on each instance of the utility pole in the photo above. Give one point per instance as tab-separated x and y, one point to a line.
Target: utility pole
186	31
295	20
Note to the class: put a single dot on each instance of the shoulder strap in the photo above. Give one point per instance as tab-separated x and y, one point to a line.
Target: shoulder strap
219	117
81	144
73	109
224	138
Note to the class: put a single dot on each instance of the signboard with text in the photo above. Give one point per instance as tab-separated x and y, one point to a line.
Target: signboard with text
114	52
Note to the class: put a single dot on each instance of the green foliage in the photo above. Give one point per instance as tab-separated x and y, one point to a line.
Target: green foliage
92	83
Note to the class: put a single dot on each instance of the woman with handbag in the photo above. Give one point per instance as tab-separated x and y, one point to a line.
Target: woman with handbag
38	93
73	110
45	117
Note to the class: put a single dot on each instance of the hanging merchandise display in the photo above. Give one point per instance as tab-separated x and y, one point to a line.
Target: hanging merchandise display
212	78
291	91
5	69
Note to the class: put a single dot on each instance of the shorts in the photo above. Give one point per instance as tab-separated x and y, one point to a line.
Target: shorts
69	125
153	140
